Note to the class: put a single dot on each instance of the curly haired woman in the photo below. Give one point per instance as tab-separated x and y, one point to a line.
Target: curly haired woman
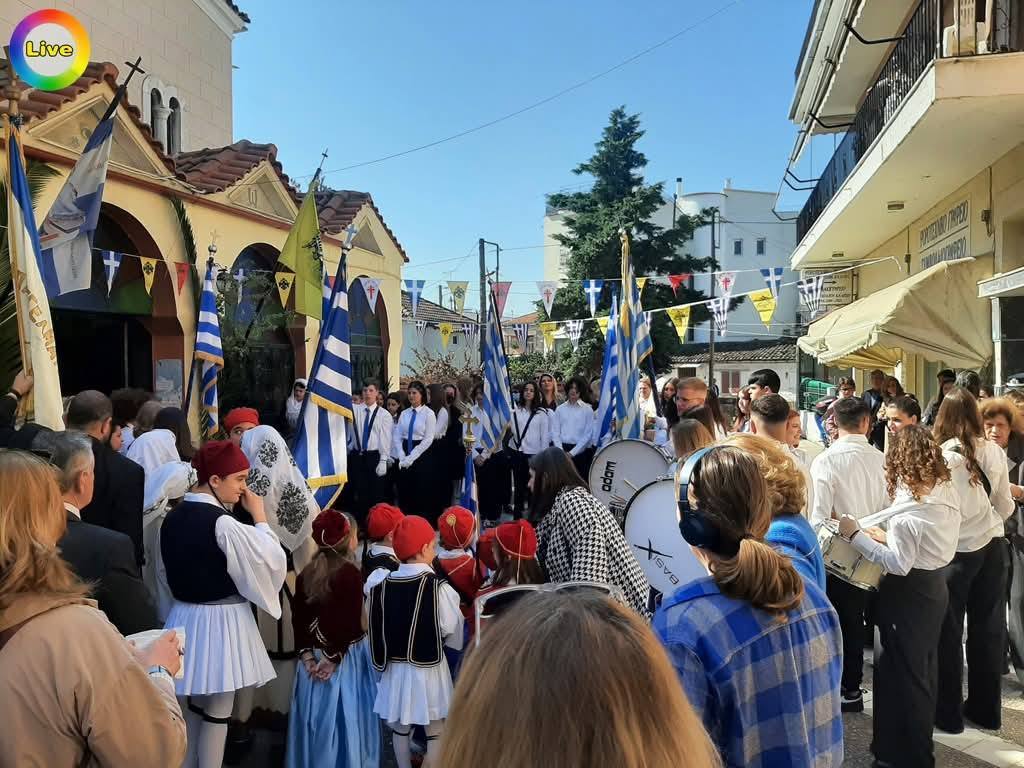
920	539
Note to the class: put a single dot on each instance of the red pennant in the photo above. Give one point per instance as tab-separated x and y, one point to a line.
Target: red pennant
500	296
182	269
677	280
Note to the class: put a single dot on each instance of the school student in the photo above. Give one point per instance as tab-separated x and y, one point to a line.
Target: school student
529	434
370	443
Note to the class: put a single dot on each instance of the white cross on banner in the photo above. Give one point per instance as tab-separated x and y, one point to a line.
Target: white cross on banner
111	263
548	289
371	287
574	329
593	290
415	289
240	278
773	278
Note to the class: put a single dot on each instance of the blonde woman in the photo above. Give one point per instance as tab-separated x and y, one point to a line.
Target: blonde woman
626	711
72	690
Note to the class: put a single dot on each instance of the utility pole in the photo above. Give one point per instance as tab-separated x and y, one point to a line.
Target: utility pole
440	298
497	262
483	299
711	340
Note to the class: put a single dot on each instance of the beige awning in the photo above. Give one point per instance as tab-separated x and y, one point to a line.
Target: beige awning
936	314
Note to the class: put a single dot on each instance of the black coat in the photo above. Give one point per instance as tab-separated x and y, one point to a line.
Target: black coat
118	495
106	559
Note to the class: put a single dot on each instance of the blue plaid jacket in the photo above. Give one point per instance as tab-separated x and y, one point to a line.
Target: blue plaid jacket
767	690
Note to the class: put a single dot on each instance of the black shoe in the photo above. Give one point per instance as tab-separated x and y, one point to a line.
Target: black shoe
853	701
950	728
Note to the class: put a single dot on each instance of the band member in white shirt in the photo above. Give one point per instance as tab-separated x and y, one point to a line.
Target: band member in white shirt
529	434
849	479
976	578
769	417
413	435
576	426
370	443
919	540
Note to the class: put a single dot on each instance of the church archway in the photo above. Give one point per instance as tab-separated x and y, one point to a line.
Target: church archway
370	337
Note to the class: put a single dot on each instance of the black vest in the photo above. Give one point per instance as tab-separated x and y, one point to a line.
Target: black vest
403	623
372	562
197	570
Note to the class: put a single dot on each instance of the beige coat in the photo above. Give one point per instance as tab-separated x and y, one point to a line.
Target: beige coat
72	693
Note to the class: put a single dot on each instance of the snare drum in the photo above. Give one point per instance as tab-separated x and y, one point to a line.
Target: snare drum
621	468
843	561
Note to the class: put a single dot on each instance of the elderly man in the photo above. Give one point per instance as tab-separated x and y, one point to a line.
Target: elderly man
96	554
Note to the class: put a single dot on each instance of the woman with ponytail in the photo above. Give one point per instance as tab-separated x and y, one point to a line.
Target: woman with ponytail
758	651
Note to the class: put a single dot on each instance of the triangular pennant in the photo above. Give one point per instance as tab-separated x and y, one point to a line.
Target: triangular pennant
647	318
148	272
469	331
764	302
773	278
446	333
371	287
522	331
726	281
640	283
111	264
421	326
720	311
548	289
810	293
680	317
284	282
458	289
415	289
602	323
182	269
549	330
593	288
574	329
676	281
501	296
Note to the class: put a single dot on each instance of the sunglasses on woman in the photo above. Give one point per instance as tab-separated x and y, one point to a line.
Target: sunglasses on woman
495	603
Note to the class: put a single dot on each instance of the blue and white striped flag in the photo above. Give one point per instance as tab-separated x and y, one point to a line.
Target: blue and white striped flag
38	348
609	380
469	496
634	347
66	234
320	444
773	277
496	413
210	352
327	292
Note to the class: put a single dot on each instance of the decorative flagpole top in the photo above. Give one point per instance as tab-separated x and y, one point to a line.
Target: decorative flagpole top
468	420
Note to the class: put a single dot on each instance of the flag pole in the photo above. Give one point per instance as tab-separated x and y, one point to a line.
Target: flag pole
185	406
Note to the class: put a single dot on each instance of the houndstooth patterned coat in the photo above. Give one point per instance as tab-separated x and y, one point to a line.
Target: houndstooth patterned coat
579	540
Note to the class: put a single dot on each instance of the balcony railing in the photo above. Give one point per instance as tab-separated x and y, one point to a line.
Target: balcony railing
923	40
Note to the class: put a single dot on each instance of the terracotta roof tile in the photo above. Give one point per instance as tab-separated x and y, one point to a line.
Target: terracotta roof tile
217	168
337	208
769	350
432	312
37	105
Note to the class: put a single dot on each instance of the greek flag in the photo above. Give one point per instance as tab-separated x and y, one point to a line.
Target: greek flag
320	444
469	494
497	408
35	328
210	352
66	234
773	278
609	380
327	292
634	347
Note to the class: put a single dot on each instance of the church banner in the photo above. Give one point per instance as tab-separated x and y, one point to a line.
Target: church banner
458	289
680	317
764	302
148	272
284	281
446	333
371	287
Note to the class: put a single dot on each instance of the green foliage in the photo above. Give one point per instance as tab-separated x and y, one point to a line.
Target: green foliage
619	199
188	242
522	368
440	369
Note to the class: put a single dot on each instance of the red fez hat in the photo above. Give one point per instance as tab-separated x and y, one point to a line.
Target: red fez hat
330	527
456	527
486	550
517	539
220	458
238	416
382	519
411	536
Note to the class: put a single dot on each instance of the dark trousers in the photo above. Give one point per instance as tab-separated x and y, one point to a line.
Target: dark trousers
910	611
520	478
494	485
977	588
582	461
366	488
850	603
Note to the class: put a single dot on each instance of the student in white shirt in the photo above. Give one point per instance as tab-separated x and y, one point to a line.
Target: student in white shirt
919	540
370	444
529	434
976	578
413	435
849	479
576	426
769	417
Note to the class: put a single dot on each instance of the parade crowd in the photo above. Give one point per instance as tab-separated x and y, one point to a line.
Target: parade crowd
152	593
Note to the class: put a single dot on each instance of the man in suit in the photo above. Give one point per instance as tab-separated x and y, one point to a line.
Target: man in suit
120	483
105	558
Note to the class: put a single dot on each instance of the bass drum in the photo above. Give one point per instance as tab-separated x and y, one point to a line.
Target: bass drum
652	530
621	469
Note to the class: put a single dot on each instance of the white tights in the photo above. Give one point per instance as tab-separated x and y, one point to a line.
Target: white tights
400	741
205	738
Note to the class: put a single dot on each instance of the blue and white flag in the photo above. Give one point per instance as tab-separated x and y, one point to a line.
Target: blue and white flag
38	346
415	289
111	264
328	291
210	353
593	290
496	413
634	348
720	312
469	498
320	443
810	289
65	236
773	277
609	380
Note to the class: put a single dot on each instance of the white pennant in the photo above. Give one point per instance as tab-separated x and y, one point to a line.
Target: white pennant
574	329
547	289
726	281
371	287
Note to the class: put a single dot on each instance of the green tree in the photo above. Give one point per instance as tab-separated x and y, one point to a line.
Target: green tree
620	199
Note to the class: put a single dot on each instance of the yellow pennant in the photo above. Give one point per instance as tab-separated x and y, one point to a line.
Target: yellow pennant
680	317
602	323
148	272
764	302
285	281
549	330
446	333
458	289
640	283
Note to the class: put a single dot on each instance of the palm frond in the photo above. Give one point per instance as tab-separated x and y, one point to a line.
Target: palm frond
188	241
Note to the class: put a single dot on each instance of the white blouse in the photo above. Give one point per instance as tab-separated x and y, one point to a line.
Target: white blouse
576	424
442	424
982	515
381	431
423	431
530	433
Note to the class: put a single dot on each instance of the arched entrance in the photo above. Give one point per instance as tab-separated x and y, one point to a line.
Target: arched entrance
259	359
121	340
370	338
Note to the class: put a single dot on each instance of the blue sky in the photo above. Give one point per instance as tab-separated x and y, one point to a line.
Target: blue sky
366	79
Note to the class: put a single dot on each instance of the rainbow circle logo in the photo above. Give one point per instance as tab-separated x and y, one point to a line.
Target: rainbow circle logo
49	49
